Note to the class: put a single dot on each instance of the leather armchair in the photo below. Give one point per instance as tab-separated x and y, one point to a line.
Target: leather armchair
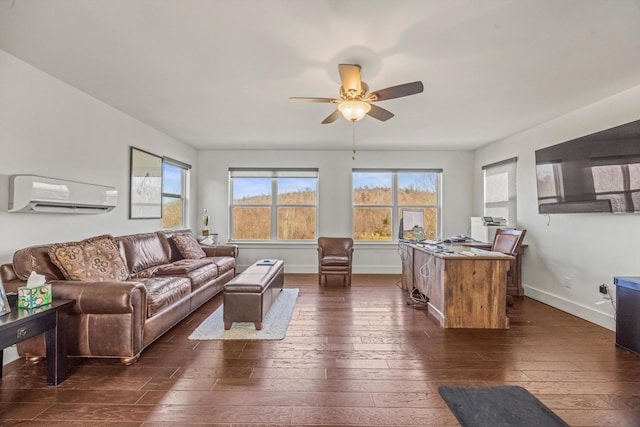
335	256
508	242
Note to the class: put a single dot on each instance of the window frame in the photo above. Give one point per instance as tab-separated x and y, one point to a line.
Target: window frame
182	196
395	206
274	174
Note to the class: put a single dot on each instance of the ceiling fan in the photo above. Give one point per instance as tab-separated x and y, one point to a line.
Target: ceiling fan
355	100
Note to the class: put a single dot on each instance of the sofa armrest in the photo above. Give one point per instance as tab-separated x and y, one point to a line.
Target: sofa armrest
109	297
220	250
10	279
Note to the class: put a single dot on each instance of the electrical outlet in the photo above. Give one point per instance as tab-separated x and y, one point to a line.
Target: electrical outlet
567	282
604	290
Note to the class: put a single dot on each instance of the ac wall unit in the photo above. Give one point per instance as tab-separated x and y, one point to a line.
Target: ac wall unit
38	194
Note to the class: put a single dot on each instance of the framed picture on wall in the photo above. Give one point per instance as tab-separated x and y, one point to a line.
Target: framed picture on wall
146	185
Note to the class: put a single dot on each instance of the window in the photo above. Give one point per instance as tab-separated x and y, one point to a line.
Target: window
174	190
379	196
273	204
500	190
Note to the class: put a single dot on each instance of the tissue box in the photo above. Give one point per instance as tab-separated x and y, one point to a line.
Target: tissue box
34	297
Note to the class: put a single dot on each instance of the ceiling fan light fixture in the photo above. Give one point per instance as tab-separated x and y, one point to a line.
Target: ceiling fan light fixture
354	110
356	101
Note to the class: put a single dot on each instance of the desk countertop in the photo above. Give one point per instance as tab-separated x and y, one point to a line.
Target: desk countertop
459	251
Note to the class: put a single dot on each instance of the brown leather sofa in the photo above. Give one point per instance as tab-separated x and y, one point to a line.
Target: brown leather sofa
119	318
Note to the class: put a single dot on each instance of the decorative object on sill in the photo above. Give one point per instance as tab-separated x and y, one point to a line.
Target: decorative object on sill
209	240
205	221
355	100
39	194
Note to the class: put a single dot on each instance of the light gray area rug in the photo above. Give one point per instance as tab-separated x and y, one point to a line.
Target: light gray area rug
274	324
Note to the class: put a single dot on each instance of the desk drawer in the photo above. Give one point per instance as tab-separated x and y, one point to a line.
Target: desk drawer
20	331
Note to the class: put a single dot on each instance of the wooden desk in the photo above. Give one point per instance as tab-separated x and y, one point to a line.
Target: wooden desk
463	291
514	280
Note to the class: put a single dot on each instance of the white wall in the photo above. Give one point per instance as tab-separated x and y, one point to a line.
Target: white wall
335	199
590	249
52	129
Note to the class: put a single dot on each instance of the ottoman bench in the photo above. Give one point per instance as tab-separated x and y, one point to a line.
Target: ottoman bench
248	296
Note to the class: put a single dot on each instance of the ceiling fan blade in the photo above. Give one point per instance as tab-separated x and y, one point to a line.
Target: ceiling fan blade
380	113
350	77
397	91
302	99
332	117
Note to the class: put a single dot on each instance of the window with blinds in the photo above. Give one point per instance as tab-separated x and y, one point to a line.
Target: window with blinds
500	197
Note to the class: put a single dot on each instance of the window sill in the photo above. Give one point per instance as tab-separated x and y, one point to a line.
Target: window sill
307	244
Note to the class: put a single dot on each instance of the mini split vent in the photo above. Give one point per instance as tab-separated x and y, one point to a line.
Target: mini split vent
38	194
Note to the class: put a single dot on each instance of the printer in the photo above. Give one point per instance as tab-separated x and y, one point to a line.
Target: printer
494	220
483	228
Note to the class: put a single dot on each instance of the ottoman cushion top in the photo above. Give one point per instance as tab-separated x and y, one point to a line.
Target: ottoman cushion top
254	279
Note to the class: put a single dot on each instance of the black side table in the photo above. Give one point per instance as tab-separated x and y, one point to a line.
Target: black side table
50	319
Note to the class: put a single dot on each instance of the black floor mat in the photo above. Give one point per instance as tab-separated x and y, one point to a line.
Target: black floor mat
498	406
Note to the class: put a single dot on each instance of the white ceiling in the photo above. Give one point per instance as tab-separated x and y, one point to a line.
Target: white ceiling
218	74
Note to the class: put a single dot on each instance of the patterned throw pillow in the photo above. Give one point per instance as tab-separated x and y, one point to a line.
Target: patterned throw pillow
188	246
96	259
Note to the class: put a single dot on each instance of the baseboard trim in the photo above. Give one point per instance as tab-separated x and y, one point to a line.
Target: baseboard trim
589	314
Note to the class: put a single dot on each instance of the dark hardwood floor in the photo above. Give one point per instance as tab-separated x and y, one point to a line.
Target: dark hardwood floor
352	356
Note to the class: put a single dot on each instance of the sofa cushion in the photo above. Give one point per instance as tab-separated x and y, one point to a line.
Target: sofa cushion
144	274
224	263
142	251
188	246
35	258
164	291
198	271
165	237
182	267
96	259
202	276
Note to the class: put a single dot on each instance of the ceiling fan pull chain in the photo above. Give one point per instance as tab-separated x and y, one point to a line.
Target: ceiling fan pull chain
353	135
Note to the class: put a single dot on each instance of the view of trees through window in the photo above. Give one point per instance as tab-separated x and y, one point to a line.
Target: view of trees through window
274	207
172	195
379	196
